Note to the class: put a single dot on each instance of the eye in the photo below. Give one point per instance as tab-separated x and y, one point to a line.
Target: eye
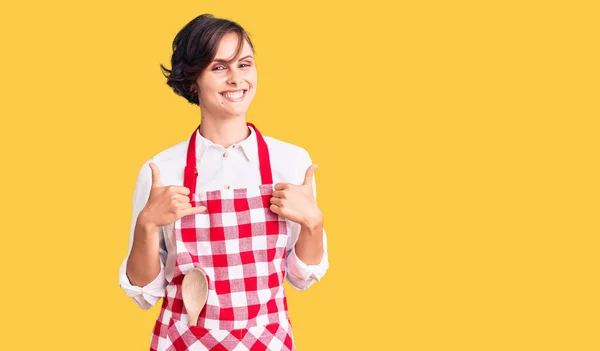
244	64
218	68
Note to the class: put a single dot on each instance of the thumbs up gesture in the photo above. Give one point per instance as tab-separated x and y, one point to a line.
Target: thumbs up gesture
167	204
297	202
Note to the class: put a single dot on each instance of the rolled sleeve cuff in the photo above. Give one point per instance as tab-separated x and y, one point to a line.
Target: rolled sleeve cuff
305	272
144	296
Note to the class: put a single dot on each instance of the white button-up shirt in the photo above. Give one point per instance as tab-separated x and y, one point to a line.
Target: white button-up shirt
220	168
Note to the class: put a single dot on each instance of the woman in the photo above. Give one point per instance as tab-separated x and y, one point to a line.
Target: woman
237	205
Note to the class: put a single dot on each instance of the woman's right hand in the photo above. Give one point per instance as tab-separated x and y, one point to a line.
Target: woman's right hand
166	204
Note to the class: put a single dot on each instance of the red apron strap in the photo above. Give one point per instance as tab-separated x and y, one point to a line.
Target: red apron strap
190	175
264	160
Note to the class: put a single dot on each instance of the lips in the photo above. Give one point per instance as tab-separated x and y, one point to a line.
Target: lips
234	95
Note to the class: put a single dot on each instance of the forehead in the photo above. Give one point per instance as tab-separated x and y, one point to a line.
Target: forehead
228	46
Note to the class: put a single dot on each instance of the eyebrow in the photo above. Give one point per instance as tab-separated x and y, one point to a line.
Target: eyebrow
225	61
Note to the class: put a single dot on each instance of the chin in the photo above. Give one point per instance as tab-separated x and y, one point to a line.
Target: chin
239	110
235	112
239	113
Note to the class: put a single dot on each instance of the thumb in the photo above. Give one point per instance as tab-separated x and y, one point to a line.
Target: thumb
155	175
310	172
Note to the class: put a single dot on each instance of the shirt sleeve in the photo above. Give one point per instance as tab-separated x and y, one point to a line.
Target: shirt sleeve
300	275
144	296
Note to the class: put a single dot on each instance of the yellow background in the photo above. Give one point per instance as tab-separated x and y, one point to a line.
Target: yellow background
457	144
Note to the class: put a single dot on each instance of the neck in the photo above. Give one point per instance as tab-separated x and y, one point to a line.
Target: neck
224	131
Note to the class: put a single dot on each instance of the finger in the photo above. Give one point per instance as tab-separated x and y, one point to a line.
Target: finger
275	209
155	175
183	206
310	172
277	201
192	211
176	189
180	198
280	186
280	194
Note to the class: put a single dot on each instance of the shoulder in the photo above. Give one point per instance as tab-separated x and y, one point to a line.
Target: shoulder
174	153
283	148
170	162
289	161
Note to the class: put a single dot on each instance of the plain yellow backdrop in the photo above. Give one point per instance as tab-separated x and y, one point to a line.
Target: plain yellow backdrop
457	144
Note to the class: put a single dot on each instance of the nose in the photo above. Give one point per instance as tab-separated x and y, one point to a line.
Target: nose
234	77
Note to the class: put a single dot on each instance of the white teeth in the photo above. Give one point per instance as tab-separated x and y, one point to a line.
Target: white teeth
233	95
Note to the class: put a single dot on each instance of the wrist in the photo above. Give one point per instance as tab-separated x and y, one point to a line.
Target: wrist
313	225
145	222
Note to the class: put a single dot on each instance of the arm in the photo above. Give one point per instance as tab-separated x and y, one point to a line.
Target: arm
143	263
307	259
141	275
309	247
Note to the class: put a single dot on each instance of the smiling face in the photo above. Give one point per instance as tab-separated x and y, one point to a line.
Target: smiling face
228	85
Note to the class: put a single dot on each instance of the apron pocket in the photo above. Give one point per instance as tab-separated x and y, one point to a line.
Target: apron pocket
185	337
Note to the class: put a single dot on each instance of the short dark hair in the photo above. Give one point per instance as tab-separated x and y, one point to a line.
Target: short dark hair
194	48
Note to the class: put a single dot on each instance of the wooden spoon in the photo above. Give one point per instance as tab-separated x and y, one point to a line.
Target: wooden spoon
194	290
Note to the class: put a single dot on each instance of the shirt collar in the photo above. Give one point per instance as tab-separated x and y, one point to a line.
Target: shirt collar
249	145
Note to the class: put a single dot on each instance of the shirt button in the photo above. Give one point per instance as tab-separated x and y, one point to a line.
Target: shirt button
225	154
234	146
227	186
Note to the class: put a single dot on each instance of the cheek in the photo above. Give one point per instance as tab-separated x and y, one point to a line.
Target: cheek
211	93
252	94
252	76
209	85
254	84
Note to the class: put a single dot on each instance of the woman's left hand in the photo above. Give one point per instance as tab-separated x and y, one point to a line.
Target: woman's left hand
297	202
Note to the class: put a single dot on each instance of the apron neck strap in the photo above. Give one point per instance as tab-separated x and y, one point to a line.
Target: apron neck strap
190	175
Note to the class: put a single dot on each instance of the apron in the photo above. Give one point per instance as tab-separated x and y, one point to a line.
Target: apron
240	245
